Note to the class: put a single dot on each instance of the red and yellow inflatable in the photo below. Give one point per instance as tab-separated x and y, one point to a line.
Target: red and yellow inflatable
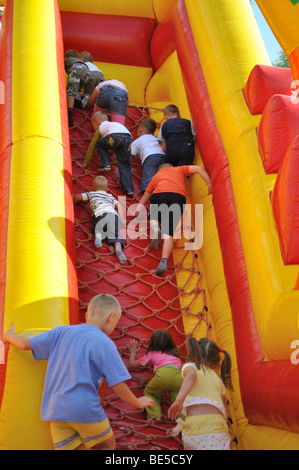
206	56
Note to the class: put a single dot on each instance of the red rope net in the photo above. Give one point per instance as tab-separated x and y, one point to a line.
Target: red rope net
148	302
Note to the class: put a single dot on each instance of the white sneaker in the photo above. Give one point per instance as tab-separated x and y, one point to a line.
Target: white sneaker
98	240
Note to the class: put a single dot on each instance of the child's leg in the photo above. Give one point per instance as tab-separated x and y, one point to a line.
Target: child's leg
150	168
103	146
118	250
153	412
161	382
155	233
123	155
118	118
166	252
110	444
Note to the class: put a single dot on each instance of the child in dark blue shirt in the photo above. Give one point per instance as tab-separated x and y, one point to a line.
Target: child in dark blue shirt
177	136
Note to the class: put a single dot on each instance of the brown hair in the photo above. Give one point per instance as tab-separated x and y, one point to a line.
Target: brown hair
205	352
171	109
161	340
149	124
86	56
71	53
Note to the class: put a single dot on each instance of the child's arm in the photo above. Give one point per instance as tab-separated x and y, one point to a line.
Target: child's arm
124	393
133	362
140	206
20	342
186	387
77	197
92	98
91	148
203	173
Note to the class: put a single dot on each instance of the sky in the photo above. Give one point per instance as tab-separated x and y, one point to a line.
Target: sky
269	39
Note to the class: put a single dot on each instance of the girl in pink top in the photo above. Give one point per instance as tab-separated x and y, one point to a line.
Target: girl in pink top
163	354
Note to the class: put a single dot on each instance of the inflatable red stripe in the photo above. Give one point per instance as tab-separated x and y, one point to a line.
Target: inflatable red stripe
162	44
5	158
107	37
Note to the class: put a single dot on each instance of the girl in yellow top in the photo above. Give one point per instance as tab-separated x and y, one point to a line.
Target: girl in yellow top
202	397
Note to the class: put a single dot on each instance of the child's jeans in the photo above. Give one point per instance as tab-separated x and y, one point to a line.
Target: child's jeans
121	144
112	99
150	168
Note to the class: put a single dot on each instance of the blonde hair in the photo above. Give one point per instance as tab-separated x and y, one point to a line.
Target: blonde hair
99	117
104	304
99	183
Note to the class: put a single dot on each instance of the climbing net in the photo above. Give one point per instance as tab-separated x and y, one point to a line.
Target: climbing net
148	302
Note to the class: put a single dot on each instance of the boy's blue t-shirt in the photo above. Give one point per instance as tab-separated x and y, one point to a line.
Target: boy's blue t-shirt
78	357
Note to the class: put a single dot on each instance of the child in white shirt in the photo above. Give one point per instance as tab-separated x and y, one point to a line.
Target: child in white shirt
116	137
149	151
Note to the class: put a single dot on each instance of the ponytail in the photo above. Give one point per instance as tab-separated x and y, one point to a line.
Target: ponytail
205	352
225	370
194	352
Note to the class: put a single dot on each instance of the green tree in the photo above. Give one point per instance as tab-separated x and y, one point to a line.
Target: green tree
282	60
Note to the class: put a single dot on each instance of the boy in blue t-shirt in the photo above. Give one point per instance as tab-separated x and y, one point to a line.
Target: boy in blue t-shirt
177	137
79	358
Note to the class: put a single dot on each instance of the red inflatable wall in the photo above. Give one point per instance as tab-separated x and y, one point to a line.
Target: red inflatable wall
277	130
285	200
265	81
106	37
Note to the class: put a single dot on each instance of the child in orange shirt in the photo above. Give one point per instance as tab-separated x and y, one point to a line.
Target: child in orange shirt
167	190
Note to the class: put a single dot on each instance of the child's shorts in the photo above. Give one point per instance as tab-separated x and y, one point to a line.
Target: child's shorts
205	432
167	209
107	224
69	436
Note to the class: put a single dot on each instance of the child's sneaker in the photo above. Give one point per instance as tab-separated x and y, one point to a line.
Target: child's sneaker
121	257
98	240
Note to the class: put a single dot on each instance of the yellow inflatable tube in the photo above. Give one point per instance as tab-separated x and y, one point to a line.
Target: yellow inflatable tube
40	289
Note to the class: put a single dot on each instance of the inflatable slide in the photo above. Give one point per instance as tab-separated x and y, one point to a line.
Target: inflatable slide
240	287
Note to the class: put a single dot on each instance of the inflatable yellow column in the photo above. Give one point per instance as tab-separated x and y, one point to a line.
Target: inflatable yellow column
39	265
283	19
